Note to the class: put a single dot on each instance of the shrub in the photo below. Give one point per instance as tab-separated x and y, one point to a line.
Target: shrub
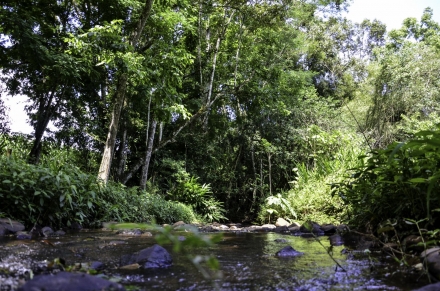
63	194
190	192
398	182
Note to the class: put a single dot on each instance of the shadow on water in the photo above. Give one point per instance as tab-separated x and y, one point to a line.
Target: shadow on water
248	262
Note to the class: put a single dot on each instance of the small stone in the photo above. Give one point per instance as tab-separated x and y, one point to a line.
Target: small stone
152	257
288	252
47	231
98	266
23	235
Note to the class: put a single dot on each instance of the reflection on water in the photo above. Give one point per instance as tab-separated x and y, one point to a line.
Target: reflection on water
247	260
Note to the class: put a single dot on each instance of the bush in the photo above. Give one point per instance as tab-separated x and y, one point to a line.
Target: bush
190	192
395	183
63	194
331	155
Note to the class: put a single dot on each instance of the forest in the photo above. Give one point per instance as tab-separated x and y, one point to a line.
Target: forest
219	110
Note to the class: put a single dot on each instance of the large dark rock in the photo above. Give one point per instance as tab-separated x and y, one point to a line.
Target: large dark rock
431	258
11	225
152	257
311	227
288	252
65	281
328	229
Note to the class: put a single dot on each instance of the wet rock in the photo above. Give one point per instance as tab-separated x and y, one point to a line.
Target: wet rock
3	231
11	225
98	266
47	231
66	281
288	252
268	226
179	223
311	227
281	229
152	257
281	222
430	287
295	230
328	229
294	224
336	240
75	226
431	258
281	240
59	233
254	228
23	235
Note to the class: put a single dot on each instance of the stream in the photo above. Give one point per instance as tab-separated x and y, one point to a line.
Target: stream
247	260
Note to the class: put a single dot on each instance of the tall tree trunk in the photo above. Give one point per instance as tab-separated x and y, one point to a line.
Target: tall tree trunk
104	169
45	112
147	158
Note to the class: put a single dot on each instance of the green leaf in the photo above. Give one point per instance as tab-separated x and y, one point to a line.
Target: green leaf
417	180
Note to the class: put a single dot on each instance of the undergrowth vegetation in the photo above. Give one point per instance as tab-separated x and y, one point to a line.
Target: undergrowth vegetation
396	183
331	156
57	192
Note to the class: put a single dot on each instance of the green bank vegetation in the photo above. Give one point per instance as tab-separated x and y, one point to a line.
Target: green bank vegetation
224	110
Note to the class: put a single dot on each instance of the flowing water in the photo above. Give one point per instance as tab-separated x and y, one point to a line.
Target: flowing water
248	262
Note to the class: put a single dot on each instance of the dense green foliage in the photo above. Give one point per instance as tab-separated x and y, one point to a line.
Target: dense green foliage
218	110
59	193
396	183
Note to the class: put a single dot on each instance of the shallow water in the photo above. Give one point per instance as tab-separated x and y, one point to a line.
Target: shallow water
247	261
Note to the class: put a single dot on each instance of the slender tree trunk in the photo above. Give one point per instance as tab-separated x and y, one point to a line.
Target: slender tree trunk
122	153
104	169
270	173
210	85
147	158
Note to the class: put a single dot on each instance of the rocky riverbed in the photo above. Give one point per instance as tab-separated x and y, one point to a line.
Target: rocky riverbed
277	256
